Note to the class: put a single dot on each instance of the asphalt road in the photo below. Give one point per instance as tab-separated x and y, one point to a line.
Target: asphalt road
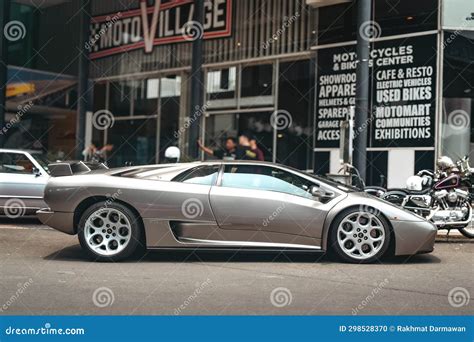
44	272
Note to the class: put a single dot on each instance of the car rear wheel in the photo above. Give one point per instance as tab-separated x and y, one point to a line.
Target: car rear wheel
360	235
109	232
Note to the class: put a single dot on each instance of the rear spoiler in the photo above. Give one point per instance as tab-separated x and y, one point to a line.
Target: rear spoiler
73	167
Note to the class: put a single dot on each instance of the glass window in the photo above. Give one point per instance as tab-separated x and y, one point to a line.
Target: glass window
120	98
170	86
145	94
257	80
338	23
152	87
405	16
15	163
170	102
221	83
294	136
204	175
133	142
23	52
457	137
220	127
259	177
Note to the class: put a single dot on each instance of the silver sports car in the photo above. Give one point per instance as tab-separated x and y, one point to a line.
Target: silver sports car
227	205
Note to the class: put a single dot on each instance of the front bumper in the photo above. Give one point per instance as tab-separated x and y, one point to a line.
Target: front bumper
63	222
413	237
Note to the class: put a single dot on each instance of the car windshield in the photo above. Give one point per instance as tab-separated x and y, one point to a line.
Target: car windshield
339	185
329	181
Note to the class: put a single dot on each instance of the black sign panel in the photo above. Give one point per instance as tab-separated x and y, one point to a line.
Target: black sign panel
403	96
404	93
336	92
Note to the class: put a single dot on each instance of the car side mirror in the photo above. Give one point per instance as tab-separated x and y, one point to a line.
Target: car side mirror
320	193
36	172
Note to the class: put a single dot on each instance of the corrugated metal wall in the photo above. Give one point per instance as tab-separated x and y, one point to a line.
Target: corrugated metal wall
255	24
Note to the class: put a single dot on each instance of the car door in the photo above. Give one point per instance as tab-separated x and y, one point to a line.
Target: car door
21	180
264	198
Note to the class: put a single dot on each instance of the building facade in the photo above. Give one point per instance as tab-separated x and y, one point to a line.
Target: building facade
285	71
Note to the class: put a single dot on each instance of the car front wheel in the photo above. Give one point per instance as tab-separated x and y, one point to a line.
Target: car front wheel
109	232
360	235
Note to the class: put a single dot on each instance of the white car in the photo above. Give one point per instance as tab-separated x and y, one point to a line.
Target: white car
23	177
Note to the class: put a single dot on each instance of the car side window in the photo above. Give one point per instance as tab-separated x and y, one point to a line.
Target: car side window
259	177
15	163
204	175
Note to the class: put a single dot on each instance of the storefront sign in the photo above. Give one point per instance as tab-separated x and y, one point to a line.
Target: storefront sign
403	92
164	22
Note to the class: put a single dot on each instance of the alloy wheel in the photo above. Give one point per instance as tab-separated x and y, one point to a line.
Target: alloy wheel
107	231
361	235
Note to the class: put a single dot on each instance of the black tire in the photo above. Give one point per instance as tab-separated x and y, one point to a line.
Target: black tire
336	250
136	236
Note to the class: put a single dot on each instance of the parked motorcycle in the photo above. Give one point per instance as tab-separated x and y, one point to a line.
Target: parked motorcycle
358	182
444	197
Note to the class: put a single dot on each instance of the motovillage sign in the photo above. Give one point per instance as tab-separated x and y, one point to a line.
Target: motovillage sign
158	23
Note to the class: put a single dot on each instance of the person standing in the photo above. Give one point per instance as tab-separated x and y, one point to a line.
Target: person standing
244	150
254	148
228	153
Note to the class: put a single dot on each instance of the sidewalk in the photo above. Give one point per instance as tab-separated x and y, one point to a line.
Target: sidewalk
454	236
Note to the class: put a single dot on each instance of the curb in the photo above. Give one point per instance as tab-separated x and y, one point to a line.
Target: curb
454	236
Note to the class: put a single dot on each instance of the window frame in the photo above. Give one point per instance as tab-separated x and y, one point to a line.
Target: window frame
272	167
179	178
27	157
